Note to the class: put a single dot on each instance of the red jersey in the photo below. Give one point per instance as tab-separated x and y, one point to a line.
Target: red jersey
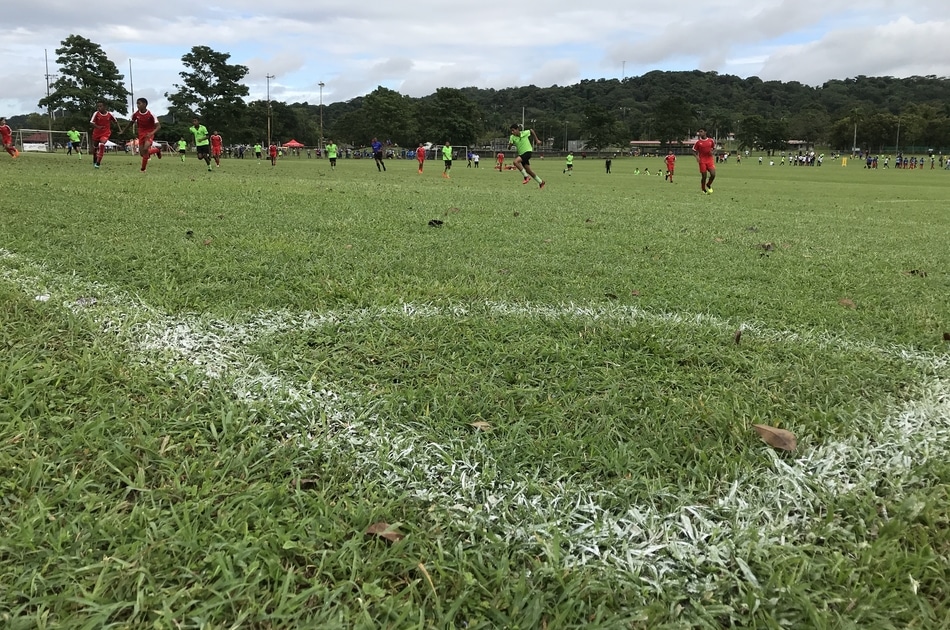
216	143
145	122
704	148
6	134
102	123
272	150
501	157
421	154
670	162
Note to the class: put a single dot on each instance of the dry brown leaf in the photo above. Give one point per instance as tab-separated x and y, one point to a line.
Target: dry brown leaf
778	438
454	210
207	241
738	336
847	303
384	530
718	240
635	293
767	246
481	425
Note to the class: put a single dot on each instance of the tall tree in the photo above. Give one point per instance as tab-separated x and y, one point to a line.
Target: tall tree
390	116
86	76
672	118
449	114
601	127
211	89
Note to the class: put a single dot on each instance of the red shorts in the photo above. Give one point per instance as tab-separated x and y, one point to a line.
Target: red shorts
145	138
101	138
707	164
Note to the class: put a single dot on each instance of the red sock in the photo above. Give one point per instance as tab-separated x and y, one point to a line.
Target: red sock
144	161
153	150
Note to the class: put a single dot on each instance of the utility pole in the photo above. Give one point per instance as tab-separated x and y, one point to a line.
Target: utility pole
321	84
49	105
269	77
131	89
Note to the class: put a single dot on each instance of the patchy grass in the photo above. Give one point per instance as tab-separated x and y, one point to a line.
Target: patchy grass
231	375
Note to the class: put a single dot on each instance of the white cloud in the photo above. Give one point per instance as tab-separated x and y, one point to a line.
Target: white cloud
416	46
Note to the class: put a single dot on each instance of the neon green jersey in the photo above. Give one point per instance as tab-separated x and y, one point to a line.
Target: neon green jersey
258	148
570	159
201	135
182	145
73	135
522	141
447	153
331	151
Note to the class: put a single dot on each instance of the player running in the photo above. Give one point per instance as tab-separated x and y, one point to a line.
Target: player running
272	152
75	142
101	122
446	159
217	143
6	137
147	125
569	163
378	155
420	156
670	166
331	150
521	140
703	150
202	143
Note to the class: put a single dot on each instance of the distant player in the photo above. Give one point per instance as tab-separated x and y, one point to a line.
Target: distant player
6	137
420	156
501	162
182	148
258	151
670	165
378	155
147	125
703	150
217	143
521	140
332	151
272	152
569	163
476	158
75	142
202	141
446	159
101	122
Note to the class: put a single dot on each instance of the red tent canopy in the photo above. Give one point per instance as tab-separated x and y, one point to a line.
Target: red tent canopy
293	144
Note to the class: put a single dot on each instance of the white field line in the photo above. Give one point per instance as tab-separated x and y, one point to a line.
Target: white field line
696	546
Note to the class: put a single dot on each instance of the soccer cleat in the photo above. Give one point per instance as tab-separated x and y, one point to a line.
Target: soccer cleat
209	169
95	165
526	180
541	186
709	191
159	154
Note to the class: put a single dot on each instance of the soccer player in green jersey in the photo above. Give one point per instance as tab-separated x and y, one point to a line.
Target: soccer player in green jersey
332	151
521	140
202	141
74	142
258	149
446	159
182	147
569	163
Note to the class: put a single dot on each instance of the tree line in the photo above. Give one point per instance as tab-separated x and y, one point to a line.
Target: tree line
876	113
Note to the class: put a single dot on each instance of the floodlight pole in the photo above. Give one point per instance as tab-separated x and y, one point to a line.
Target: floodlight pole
49	105
321	84
897	142
131	89
269	77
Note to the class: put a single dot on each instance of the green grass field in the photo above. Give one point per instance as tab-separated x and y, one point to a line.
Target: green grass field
214	383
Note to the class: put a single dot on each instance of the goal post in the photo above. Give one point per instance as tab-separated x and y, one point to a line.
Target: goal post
44	140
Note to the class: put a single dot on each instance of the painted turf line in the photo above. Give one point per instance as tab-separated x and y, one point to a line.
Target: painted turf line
696	546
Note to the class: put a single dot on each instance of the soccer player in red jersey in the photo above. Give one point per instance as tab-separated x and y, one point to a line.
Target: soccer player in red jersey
272	152
101	122
216	143
147	124
703	150
670	165
420	156
501	162
6	137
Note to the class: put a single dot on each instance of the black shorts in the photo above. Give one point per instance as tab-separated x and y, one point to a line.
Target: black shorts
378	155
258	154
448	163
182	151
332	161
203	151
525	158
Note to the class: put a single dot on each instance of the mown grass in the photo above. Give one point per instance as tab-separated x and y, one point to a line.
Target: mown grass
590	325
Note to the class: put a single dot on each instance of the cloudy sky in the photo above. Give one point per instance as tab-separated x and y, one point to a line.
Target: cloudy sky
415	46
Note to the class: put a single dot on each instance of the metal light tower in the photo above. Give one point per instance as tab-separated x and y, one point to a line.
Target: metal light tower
49	105
269	77
321	84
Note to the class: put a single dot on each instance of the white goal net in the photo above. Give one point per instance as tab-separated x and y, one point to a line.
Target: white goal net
46	140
